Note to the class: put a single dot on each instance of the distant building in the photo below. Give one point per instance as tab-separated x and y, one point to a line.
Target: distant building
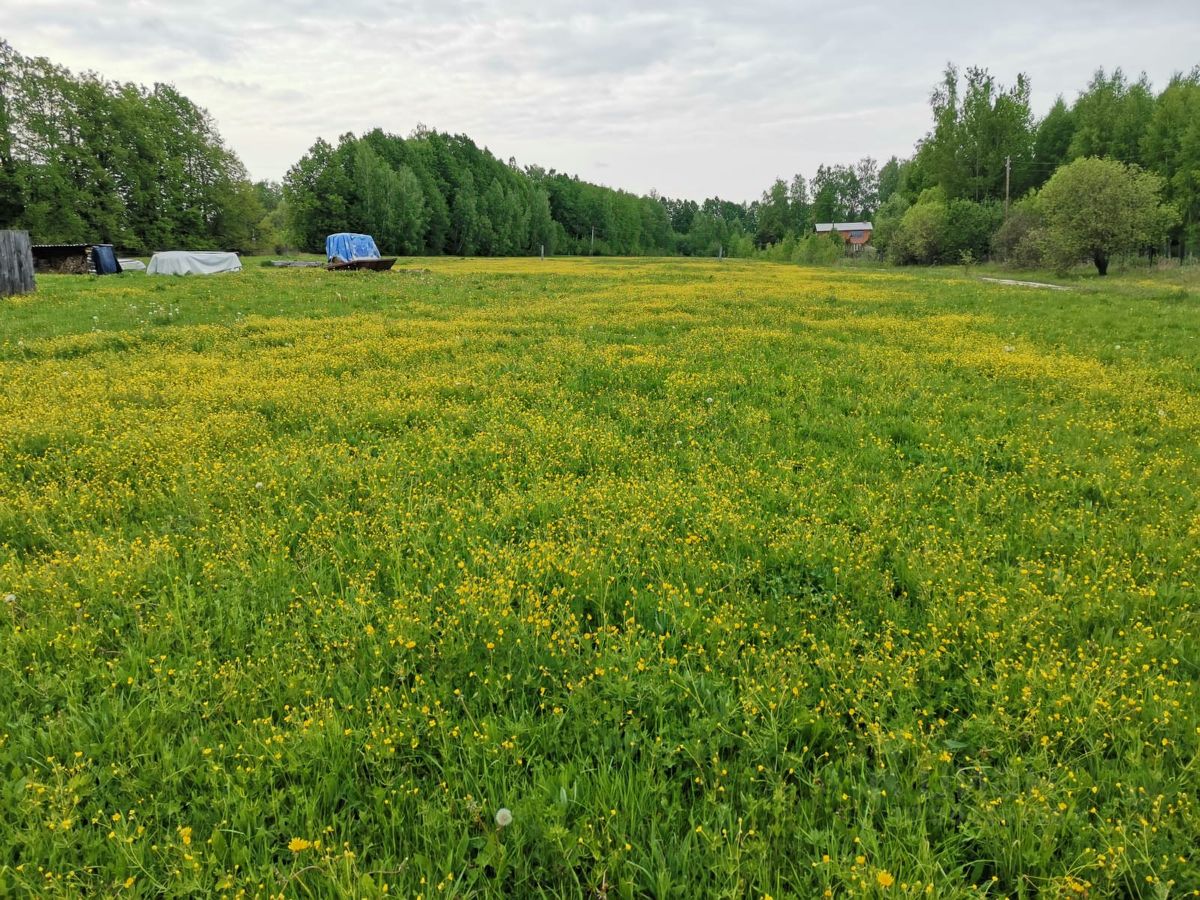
856	234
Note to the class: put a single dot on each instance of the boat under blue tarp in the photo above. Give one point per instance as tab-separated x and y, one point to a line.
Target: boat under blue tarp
347	247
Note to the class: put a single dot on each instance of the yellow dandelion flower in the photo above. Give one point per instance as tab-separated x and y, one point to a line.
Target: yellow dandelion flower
298	845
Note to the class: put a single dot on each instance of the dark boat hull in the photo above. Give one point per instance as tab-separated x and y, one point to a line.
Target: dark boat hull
372	265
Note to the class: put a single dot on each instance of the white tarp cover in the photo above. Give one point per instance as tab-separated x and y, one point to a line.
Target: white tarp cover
188	262
132	265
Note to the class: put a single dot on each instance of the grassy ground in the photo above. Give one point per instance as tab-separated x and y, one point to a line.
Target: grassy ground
725	579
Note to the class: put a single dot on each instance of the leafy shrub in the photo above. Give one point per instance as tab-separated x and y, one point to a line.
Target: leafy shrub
887	221
820	249
969	228
919	237
936	231
1018	240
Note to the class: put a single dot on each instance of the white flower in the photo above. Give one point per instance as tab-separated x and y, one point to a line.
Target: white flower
1009	348
708	399
258	485
10	598
503	817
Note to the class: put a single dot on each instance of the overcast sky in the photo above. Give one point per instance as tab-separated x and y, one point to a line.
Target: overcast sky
694	99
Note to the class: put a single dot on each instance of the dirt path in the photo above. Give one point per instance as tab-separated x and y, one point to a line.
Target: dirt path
1037	284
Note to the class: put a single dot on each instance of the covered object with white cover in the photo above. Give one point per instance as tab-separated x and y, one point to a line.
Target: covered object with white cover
193	262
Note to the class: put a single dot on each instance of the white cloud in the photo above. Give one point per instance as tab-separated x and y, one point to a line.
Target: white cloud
694	99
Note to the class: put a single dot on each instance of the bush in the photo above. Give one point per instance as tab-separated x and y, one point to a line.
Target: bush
969	229
783	250
865	256
918	239
935	231
1018	240
820	249
810	250
741	246
887	221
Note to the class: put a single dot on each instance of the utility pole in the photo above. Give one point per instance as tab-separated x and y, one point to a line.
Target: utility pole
592	249
1007	174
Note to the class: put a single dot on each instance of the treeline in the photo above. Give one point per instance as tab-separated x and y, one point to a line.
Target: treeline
434	193
84	159
439	193
947	202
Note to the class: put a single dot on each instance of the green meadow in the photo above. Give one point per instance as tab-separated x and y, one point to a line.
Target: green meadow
620	578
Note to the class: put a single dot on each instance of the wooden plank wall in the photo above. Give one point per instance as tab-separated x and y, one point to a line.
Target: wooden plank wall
16	263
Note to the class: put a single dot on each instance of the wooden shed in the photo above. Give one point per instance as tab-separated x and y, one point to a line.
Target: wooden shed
75	259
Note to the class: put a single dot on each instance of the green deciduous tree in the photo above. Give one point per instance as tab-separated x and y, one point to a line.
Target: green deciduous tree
890	179
391	205
12	194
1171	148
918	238
1052	141
774	214
887	221
83	159
839	194
1111	117
1095	208
317	190
976	128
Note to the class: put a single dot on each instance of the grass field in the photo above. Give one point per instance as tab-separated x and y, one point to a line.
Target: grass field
729	580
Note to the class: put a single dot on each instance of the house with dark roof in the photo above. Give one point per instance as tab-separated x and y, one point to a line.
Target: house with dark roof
856	234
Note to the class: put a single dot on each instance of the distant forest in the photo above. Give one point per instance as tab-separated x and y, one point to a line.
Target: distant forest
82	158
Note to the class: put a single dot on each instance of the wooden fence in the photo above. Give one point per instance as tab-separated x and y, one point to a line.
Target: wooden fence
16	263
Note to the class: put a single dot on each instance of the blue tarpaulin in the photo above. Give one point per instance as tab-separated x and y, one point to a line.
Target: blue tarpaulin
105	260
349	247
